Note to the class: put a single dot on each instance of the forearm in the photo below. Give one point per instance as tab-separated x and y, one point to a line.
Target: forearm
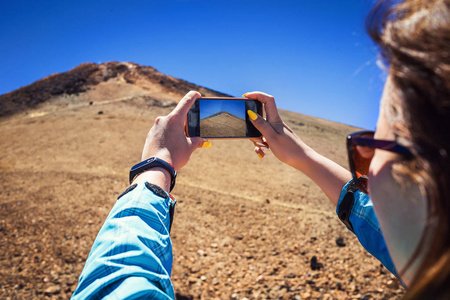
327	174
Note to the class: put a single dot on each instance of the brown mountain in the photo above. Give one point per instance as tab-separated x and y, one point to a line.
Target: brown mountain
92	82
244	227
222	124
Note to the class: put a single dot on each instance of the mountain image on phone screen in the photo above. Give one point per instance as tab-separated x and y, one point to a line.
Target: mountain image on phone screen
222	118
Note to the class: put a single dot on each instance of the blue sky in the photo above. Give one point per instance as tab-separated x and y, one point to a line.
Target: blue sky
208	108
312	55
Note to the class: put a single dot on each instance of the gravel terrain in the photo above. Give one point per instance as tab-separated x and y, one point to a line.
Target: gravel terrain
244	228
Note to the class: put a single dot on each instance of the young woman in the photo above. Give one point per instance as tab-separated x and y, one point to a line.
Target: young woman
404	166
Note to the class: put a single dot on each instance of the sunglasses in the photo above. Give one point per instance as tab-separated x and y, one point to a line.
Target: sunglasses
361	148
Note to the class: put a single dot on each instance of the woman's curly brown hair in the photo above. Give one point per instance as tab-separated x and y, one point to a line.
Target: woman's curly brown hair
414	41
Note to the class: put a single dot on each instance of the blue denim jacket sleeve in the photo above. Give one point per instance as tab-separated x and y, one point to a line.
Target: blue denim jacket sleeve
366	227
131	258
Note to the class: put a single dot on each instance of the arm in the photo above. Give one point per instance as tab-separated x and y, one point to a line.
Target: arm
290	149
357	210
131	258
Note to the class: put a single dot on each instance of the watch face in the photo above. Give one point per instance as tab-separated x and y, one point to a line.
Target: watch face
143	163
150	160
151	163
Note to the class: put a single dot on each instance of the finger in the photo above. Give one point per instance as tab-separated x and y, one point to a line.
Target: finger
197	142
257	140
264	148
259	152
269	104
261	144
262	125
185	104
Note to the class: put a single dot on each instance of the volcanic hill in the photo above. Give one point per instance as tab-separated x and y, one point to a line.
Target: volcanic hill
91	82
222	124
244	228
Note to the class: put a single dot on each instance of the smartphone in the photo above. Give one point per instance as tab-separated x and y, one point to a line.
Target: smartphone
222	118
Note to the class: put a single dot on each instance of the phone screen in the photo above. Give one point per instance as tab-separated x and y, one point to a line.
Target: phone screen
223	118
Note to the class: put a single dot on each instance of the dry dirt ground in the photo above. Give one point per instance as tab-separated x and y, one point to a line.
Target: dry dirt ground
244	228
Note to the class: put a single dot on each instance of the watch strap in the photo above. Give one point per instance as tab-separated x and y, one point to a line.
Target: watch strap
153	162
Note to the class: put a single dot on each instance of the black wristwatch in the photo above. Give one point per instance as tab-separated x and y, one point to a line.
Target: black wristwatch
153	162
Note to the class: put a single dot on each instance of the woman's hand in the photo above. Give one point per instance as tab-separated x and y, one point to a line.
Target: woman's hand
167	139
290	149
283	142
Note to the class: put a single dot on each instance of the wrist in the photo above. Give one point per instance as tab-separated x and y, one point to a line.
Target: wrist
161	166
163	154
157	176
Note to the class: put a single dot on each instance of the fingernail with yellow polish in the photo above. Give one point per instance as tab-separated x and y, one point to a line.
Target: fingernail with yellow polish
252	115
245	95
206	144
260	156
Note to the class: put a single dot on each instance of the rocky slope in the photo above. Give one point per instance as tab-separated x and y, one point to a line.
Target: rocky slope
244	228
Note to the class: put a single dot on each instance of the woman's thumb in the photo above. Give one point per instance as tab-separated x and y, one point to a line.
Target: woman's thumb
262	125
198	142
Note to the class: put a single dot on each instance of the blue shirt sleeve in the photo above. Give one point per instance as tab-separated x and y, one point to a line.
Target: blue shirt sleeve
366	227
131	258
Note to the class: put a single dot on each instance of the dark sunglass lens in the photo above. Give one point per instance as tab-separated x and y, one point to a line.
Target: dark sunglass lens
361	151
362	156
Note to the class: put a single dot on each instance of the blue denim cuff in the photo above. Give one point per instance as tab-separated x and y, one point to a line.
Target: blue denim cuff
366	227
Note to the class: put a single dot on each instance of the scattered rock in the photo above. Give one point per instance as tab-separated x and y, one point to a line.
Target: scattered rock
393	284
183	297
192	280
310	282
54	289
315	265
305	295
260	279
340	242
